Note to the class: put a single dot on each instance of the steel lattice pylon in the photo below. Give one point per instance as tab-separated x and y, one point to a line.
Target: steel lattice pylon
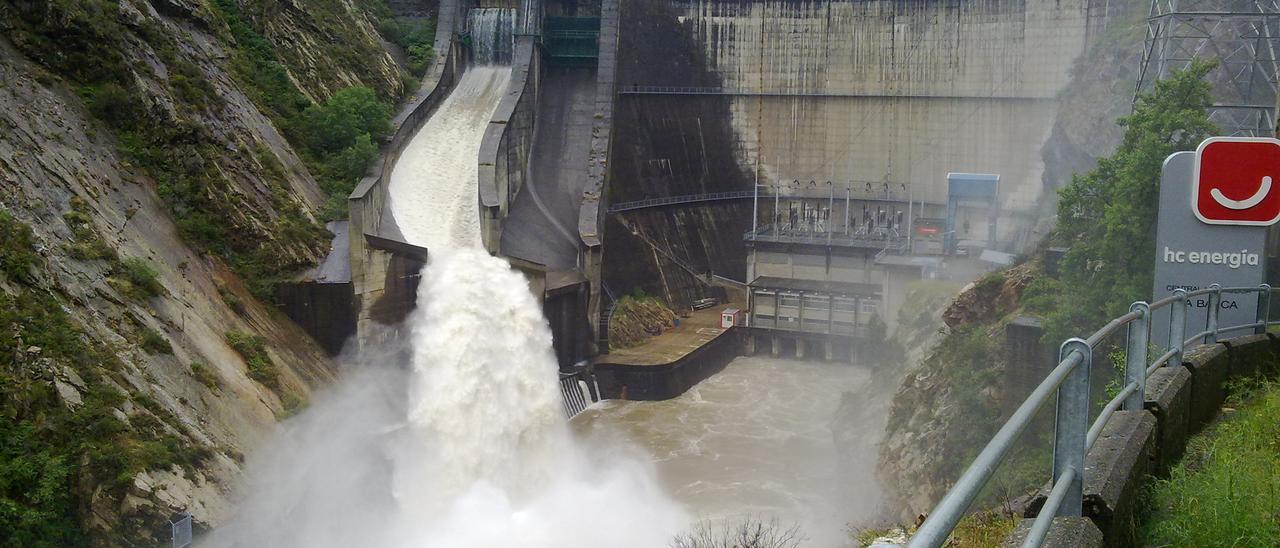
1242	35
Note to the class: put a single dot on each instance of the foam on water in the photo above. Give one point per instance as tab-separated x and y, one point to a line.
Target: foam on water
433	186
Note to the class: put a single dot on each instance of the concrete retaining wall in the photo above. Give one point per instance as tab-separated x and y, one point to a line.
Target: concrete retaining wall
504	152
663	382
1180	401
591	215
369	211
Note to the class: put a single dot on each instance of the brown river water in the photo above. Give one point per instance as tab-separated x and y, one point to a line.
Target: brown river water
760	439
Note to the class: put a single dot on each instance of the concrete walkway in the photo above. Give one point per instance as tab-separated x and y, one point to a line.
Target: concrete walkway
701	327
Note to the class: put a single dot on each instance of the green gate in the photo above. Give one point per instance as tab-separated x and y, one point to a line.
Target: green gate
572	40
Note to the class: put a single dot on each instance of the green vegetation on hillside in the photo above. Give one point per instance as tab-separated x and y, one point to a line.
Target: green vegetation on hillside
636	317
253	349
1108	216
94	50
338	141
54	453
1226	490
416	37
17	249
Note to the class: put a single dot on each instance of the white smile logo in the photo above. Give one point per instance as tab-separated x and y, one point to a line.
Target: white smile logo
1236	181
1246	203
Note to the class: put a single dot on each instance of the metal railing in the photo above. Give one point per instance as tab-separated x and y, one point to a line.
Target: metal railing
578	388
703	90
1073	434
684	199
767	233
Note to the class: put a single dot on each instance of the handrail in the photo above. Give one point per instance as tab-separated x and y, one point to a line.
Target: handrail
682	199
1069	380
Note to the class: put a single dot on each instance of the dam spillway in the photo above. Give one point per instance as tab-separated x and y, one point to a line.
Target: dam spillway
434	185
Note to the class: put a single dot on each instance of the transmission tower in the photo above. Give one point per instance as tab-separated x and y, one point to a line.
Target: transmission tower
1243	36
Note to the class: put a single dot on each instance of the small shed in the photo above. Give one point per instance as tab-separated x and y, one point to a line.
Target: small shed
730	317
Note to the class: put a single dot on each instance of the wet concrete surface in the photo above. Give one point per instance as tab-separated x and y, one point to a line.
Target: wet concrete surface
542	224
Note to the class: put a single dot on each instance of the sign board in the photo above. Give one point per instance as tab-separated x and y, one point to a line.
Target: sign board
1193	253
1237	181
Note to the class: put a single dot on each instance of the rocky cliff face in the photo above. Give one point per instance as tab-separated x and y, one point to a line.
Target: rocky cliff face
145	167
931	435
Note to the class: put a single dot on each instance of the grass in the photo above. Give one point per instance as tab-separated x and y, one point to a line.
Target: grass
205	375
17	249
253	349
153	342
87	244
136	279
984	529
1226	490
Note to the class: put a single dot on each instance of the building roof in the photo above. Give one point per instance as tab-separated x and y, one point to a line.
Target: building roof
816	286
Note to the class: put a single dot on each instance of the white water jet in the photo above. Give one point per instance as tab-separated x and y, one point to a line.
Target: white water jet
468	447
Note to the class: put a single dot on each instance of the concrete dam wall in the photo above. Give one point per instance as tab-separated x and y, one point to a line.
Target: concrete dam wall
889	91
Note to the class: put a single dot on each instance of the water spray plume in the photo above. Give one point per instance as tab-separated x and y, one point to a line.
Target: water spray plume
467	446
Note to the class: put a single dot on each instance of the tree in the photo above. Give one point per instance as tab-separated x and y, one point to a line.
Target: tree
1107	216
747	532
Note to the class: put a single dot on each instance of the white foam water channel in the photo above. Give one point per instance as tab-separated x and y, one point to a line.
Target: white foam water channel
468	445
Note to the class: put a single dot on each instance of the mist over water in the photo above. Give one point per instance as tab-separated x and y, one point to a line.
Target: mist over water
468	445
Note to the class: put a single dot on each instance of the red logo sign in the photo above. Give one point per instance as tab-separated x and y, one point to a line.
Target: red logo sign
1237	181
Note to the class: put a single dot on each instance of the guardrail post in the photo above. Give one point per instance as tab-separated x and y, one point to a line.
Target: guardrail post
1135	357
1264	309
1215	304
1072	426
1178	326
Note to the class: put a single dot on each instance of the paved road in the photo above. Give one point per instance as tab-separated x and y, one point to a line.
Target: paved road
542	224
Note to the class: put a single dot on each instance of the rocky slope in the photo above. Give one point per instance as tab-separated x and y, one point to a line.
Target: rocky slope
967	374
151	180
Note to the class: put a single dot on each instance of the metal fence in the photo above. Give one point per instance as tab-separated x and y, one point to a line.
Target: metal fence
578	391
1073	434
181	530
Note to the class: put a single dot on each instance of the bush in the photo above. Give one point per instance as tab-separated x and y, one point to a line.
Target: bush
205	375
55	460
748	532
136	278
253	349
339	139
17	249
415	36
113	104
154	343
230	299
337	124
